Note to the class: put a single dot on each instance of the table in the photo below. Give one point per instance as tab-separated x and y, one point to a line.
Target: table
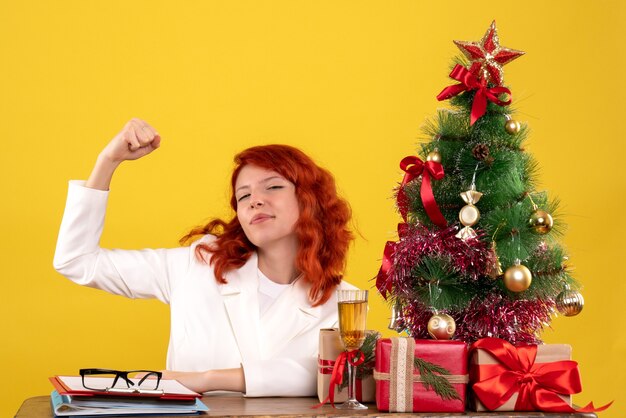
235	405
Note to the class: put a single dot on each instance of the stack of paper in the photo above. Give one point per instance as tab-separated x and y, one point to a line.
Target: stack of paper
66	405
71	399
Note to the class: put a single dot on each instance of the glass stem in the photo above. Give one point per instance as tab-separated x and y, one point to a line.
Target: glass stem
351	382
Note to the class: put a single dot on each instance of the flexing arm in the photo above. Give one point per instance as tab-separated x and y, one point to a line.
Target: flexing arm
134	141
78	256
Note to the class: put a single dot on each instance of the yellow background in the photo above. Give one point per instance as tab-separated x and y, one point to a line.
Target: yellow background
349	82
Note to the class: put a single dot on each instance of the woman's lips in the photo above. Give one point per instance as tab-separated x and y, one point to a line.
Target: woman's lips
262	217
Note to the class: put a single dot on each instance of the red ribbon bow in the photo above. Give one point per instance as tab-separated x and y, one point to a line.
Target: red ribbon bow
383	281
355	358
414	167
326	367
469	81
538	384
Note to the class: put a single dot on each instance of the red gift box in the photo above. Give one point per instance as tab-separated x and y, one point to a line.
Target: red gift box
400	387
524	378
485	367
330	348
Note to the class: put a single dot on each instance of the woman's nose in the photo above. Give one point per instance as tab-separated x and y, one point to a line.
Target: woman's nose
256	203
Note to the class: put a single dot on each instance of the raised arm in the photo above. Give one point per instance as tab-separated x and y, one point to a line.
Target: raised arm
78	256
134	141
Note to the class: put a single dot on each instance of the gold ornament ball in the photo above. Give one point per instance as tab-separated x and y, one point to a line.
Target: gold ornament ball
541	222
512	127
441	326
570	302
434	156
517	278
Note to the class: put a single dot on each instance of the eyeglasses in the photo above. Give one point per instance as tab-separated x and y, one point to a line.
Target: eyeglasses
127	381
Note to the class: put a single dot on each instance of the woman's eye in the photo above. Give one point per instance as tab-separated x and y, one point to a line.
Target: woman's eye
275	187
242	197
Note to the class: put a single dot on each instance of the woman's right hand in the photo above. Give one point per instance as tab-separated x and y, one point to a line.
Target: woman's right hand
134	141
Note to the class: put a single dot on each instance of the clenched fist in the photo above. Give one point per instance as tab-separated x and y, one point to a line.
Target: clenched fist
135	140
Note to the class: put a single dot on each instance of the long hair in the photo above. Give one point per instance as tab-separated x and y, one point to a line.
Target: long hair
321	229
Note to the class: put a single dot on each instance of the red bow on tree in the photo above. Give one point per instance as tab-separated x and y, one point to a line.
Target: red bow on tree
414	167
538	385
383	279
469	81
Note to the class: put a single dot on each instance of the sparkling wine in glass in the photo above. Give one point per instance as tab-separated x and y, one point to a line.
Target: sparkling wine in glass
352	322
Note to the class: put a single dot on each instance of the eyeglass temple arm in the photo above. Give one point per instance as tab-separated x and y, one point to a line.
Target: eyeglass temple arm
97	371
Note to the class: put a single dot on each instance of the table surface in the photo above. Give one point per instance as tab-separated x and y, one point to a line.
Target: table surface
228	405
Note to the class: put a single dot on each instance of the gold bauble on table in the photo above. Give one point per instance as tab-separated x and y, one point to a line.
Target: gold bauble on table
512	127
441	326
517	278
570	302
434	156
540	221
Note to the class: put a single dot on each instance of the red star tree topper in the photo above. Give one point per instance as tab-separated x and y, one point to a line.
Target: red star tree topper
487	56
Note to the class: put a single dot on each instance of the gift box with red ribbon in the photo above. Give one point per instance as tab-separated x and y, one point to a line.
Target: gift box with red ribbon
420	375
330	349
524	378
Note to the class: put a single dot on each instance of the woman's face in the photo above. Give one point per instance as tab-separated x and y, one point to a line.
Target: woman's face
267	207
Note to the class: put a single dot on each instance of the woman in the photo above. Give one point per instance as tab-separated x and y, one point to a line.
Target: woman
247	297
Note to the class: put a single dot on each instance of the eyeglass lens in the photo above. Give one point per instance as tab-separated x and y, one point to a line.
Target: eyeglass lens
103	379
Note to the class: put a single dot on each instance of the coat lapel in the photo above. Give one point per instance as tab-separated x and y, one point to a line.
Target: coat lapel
240	297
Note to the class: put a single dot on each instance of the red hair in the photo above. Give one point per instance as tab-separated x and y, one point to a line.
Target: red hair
322	227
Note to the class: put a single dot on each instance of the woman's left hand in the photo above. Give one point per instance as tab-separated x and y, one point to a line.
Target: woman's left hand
224	379
196	381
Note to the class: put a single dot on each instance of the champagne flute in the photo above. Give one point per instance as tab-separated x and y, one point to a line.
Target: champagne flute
352	318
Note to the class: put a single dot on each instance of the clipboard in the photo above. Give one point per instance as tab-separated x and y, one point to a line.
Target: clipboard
171	390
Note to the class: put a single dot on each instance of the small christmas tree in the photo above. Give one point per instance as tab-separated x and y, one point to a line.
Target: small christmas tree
478	250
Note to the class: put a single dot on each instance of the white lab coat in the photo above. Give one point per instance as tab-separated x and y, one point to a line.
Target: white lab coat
213	326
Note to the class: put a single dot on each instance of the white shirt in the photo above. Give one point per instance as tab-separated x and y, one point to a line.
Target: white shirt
269	291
